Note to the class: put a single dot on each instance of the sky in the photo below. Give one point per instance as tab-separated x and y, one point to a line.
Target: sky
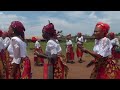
70	22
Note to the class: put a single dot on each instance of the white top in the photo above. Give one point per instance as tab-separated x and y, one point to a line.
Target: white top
53	47
1	44
115	41
19	49
69	42
10	50
80	40
6	41
103	47
76	39
37	44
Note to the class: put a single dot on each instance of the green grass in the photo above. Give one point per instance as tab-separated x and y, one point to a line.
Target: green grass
88	45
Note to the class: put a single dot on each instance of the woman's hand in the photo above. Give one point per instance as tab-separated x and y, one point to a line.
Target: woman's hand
36	53
83	49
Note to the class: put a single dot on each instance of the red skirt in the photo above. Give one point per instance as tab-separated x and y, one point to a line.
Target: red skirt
26	68
4	63
70	53
115	54
38	59
79	53
60	69
106	69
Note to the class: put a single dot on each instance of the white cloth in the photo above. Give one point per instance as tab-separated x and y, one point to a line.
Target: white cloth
1	44
103	47
10	50
115	41
53	47
69	42
76	39
80	40
19	49
37	44
6	42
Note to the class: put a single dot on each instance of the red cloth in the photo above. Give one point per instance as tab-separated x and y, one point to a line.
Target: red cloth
104	27
5	34
17	25
79	33
38	59
1	33
34	39
49	28
70	53
112	35
115	54
79	52
106	69
26	69
59	70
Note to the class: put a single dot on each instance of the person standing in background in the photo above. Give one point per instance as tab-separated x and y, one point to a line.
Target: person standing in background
80	41
69	49
115	46
38	60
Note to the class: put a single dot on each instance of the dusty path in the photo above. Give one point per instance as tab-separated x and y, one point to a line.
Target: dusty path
76	70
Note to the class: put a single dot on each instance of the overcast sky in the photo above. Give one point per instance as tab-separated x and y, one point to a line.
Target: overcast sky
67	21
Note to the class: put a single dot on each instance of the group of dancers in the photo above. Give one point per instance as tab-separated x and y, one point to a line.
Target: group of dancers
15	63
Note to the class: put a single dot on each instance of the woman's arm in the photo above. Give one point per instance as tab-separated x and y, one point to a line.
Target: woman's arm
52	58
17	58
41	55
95	55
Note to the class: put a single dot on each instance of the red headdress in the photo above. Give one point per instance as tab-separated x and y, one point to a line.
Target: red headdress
112	34
49	29
1	33
104	27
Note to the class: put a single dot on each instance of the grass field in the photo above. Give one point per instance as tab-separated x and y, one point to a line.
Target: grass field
88	45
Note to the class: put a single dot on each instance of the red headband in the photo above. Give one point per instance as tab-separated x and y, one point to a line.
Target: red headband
17	25
104	27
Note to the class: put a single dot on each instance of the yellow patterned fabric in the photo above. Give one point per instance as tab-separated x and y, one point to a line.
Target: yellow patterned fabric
61	68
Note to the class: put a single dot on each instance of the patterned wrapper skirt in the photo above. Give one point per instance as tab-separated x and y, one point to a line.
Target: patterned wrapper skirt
115	54
38	60
79	53
10	67
57	71
105	69
7	63
2	68
69	53
25	68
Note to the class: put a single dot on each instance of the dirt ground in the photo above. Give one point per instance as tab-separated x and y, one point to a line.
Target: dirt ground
76	70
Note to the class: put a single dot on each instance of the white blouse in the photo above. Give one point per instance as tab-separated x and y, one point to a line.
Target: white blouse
37	44
6	41
69	42
53	47
103	47
1	44
19	49
115	41
10	50
80	40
